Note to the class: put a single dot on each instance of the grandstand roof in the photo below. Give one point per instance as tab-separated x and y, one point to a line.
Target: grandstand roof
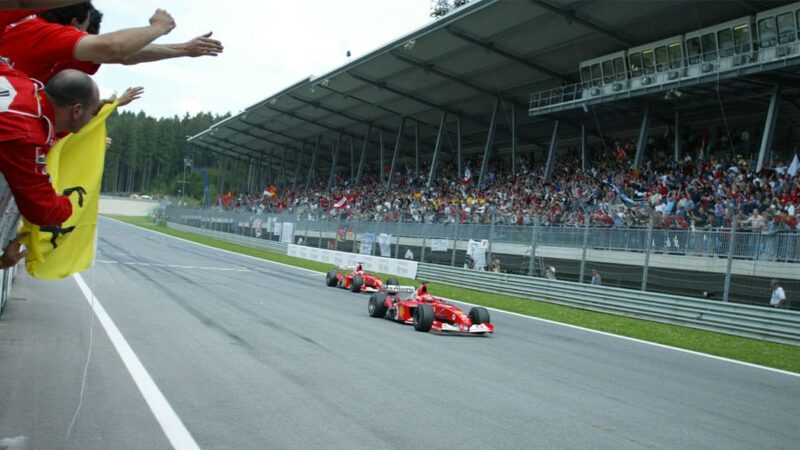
460	64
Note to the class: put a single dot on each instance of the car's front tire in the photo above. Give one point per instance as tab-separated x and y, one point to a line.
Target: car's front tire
423	317
479	315
377	305
331	278
356	283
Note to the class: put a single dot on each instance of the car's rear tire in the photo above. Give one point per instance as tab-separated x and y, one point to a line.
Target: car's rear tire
423	317
392	281
331	278
377	305
355	284
479	315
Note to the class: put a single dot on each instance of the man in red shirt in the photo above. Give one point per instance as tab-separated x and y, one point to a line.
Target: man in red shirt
42	46
30	119
41	49
12	11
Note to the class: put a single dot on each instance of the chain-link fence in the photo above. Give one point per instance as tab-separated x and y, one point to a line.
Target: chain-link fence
711	263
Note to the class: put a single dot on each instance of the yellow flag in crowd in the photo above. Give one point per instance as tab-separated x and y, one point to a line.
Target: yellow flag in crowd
75	163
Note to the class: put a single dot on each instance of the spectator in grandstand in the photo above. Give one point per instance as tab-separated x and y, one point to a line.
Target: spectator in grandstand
29	122
597	280
778	299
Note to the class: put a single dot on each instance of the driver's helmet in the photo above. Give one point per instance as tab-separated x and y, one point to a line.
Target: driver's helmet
422	290
359	268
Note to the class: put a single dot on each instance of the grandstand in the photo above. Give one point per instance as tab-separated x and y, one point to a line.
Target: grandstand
545	113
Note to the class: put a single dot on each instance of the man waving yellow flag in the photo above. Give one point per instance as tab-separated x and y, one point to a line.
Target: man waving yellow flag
75	165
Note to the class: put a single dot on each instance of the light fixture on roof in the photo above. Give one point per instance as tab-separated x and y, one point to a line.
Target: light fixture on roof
325	82
409	45
273	101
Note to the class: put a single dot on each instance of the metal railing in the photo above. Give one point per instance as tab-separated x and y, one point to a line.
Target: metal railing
735	319
702	263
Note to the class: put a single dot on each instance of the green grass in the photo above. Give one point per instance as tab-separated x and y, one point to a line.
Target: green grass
779	356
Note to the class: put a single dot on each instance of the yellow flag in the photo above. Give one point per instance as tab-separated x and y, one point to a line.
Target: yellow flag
74	163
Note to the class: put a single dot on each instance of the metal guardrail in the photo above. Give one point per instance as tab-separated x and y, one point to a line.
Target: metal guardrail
233	238
730	318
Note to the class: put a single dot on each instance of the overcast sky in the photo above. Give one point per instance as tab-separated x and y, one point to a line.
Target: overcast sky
269	45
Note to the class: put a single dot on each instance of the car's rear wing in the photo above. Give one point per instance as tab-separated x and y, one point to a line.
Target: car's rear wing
396	289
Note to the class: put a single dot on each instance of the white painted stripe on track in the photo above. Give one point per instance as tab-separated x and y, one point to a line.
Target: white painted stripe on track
691	352
172	425
176	266
314	272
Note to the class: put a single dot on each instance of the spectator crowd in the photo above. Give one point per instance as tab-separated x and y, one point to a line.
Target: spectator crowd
699	191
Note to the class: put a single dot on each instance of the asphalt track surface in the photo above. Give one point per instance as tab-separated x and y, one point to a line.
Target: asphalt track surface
252	355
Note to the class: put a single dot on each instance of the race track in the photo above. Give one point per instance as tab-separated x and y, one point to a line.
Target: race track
248	354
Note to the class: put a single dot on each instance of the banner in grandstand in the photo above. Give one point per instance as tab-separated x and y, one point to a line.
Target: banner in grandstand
398	267
367	243
795	166
344	234
287	233
257	226
341	203
75	163
467	176
477	251
385	244
440	245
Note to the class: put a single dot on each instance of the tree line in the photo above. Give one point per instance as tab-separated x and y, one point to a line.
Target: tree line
146	155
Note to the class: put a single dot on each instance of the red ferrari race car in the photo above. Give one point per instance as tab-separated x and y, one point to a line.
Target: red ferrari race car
417	307
356	281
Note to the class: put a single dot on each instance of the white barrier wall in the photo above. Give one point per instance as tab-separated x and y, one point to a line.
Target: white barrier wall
398	267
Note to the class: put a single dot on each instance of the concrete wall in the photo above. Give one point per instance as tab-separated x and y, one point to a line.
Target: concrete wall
126	206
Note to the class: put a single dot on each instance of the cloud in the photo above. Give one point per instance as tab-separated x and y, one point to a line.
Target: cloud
269	45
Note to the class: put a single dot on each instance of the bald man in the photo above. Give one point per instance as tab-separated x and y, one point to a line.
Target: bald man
31	118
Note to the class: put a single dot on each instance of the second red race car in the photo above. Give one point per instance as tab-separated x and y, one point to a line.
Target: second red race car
415	306
357	280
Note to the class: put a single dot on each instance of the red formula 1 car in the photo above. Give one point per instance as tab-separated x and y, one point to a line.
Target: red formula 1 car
417	307
356	281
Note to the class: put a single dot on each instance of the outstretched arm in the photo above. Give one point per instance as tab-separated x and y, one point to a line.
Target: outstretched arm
36	4
199	46
114	46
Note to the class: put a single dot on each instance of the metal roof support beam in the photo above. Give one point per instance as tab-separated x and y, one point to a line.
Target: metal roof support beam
491	47
334	155
642	142
677	141
283	167
551	154
245	153
416	150
247	133
382	165
769	127
294	115
458	145
297	166
396	151
584	147
513	138
352	159
363	156
269	165
437	149
571	17
489	142
313	161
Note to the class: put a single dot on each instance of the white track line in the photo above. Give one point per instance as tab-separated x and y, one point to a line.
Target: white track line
172	425
691	352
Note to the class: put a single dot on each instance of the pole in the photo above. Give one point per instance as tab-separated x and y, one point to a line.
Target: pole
727	290
647	247
586	220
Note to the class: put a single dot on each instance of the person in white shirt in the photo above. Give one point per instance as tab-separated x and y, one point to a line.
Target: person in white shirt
778	299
